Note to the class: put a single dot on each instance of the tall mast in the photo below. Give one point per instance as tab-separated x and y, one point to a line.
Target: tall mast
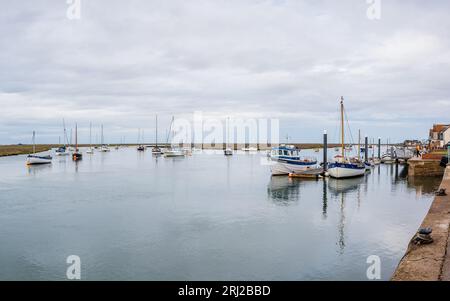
139	137
90	135
359	144
342	128
156	131
34	142
65	133
102	135
76	137
228	131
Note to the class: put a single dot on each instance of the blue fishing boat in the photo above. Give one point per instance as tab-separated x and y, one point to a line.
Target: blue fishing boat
287	160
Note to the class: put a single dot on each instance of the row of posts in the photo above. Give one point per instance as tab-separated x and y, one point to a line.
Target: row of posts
366	148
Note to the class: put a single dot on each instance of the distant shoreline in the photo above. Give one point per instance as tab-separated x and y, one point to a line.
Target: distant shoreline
16	150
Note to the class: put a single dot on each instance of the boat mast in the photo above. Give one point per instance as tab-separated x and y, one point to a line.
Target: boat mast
139	137
76	137
102	135
342	128
228	132
359	144
34	142
156	138
90	135
65	133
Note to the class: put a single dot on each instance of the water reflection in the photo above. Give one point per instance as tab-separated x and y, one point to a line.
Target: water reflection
424	185
283	190
344	186
36	169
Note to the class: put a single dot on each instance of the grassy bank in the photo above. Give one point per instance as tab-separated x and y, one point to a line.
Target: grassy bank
14	150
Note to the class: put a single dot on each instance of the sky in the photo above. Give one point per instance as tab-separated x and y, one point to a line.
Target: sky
123	62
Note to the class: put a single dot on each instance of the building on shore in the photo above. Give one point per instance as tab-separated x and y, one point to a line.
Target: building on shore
439	136
412	143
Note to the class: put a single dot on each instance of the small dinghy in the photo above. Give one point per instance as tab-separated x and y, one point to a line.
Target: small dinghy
228	152
62	151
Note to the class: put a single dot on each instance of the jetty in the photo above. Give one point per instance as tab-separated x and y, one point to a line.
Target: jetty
430	262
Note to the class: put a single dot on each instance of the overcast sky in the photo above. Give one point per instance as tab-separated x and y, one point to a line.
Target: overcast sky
125	61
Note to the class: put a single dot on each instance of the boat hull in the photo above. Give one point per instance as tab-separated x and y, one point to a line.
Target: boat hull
37	160
341	171
174	154
285	168
228	152
61	154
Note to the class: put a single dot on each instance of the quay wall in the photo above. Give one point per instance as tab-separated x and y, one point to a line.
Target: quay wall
430	262
424	167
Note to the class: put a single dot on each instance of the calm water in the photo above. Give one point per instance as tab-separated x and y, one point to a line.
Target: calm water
130	216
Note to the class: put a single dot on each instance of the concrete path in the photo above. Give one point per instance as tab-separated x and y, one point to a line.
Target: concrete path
430	262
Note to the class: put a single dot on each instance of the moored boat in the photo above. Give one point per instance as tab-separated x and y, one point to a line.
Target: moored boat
156	150
174	152
77	155
343	167
104	148
228	152
287	160
63	150
35	159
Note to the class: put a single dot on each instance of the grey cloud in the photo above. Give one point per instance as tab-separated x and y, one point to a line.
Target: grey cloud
125	61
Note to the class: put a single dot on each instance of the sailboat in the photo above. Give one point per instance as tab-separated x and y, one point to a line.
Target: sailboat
343	167
77	155
35	159
156	150
104	148
90	150
140	147
63	150
390	155
70	148
173	151
228	151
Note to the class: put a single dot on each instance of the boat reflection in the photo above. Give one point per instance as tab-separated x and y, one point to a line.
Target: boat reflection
283	191
338	186
37	169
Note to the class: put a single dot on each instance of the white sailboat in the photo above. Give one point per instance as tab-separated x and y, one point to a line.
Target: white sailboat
90	150
63	150
104	148
35	159
156	150
228	151
173	151
343	167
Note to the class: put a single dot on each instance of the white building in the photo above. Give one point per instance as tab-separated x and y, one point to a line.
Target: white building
446	136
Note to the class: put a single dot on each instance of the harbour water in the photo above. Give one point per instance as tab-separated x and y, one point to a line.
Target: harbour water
131	216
